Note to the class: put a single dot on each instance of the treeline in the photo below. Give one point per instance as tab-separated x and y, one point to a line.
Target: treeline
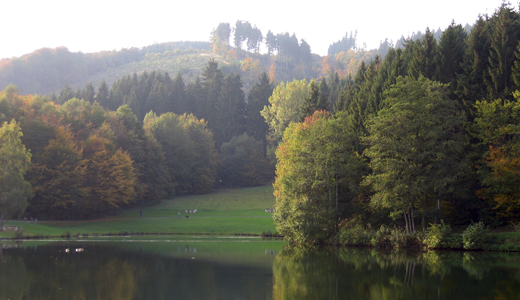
89	159
214	97
287	49
429	132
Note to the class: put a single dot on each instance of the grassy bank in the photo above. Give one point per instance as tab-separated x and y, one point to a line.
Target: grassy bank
225	212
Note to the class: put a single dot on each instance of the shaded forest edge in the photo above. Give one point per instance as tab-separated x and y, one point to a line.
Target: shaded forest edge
425	136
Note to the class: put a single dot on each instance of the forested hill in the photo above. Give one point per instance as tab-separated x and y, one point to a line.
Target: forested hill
46	70
235	48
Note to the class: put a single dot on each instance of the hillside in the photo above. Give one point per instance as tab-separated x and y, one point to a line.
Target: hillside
46	70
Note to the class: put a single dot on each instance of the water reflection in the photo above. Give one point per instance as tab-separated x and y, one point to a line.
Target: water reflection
181	271
111	272
331	273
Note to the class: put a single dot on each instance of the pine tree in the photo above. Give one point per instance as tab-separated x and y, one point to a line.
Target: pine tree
505	34
452	50
102	96
229	117
472	83
257	99
311	103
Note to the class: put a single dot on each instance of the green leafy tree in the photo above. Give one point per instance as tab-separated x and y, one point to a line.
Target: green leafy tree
316	161
15	161
206	160
189	151
415	146
244	163
284	107
497	126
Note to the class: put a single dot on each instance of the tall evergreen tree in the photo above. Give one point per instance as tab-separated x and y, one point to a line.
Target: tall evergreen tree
88	93
452	50
472	82
229	117
102	96
211	84
179	102
505	34
310	105
257	99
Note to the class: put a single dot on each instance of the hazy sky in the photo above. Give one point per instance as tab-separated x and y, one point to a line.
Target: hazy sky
96	25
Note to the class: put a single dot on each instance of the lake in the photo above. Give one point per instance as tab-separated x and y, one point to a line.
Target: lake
246	268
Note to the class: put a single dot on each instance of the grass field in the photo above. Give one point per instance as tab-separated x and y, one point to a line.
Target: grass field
225	212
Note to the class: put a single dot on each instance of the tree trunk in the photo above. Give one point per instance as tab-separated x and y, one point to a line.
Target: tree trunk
412	220
438	215
425	209
406	222
337	206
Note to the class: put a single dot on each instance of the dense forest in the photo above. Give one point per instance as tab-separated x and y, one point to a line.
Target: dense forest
408	134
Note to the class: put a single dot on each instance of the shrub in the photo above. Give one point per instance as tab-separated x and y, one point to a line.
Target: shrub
18	234
393	237
355	236
516	226
400	239
380	239
441	236
475	236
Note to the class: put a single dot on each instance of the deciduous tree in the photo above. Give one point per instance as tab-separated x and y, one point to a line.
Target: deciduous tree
416	146
14	163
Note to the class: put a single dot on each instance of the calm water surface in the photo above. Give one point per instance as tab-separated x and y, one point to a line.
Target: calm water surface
194	268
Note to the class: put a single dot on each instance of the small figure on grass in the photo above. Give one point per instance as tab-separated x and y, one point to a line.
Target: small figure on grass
140	214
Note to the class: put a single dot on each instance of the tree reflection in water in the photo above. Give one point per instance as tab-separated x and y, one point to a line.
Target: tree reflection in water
121	271
349	273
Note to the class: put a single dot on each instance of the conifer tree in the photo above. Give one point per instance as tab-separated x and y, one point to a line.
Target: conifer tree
102	96
230	110
472	83
257	99
505	34
452	50
310	105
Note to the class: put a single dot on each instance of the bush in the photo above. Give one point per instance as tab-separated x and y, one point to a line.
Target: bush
380	238
355	236
440	236
400	239
475	236
516	226
18	234
387	237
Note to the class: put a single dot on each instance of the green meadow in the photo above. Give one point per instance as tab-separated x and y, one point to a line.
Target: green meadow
223	212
